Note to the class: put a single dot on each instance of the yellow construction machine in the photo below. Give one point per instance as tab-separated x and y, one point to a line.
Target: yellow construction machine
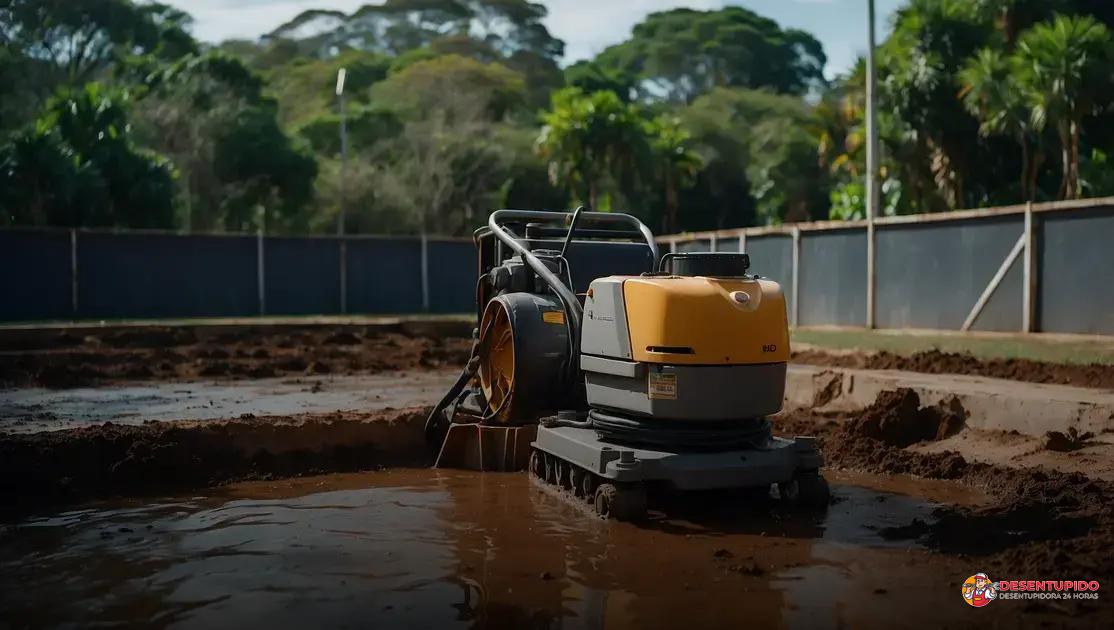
607	370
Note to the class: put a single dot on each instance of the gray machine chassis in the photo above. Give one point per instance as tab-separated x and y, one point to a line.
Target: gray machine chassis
779	460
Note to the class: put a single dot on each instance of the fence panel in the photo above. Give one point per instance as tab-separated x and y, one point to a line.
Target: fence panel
452	276
1076	263
35	278
384	275
704	245
301	275
139	275
929	275
771	256
833	278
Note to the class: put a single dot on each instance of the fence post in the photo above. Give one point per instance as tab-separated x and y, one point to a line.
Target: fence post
742	241
870	272
1029	281
261	273
342	268
425	273
796	274
73	271
712	244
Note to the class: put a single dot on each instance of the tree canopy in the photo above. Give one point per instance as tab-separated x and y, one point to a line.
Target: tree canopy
114	115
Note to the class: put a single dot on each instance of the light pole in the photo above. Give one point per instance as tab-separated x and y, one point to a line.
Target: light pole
871	165
343	147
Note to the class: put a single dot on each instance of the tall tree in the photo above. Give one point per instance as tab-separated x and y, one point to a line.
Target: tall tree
1066	70
682	53
591	140
991	91
675	163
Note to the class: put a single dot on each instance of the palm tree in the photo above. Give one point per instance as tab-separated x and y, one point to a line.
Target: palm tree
1064	66
991	93
675	162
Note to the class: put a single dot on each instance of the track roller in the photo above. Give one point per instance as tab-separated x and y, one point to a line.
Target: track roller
623	502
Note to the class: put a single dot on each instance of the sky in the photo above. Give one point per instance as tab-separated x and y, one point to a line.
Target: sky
586	26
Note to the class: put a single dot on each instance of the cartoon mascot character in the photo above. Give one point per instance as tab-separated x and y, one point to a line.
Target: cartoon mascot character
979	591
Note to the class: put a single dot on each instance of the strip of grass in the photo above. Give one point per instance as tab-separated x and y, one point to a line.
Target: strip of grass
1037	348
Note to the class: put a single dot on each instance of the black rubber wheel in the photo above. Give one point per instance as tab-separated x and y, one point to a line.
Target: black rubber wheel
537	465
625	502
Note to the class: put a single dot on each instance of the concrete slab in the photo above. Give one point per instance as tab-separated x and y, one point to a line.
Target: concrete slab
992	404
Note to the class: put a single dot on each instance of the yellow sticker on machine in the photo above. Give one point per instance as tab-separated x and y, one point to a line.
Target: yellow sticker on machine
554	317
662	385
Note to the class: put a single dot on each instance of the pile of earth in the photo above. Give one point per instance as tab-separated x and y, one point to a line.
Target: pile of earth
1095	375
1038	524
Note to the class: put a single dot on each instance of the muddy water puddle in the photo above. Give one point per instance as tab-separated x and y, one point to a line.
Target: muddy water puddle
434	549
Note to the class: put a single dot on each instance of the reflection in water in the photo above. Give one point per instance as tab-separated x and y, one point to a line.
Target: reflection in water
434	549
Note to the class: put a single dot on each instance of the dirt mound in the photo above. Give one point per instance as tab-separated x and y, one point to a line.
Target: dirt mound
1039	523
164	353
118	459
897	419
936	362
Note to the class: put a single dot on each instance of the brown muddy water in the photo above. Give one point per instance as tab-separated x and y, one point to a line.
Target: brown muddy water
441	549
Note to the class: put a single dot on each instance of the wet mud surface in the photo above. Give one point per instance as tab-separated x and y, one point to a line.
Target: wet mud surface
433	549
30	410
110	459
936	362
62	359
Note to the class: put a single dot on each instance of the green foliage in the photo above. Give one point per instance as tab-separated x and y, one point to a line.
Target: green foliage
79	167
682	53
592	141
455	84
238	168
306	88
761	141
366	126
1065	71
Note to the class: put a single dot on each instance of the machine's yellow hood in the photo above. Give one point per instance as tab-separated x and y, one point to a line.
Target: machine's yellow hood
706	321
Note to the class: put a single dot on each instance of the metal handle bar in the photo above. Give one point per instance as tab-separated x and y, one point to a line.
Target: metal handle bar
502	216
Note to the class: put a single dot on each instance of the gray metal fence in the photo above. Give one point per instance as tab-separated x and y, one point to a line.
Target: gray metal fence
1045	267
90	274
1040	267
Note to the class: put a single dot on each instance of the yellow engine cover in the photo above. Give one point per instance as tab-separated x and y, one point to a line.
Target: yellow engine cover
706	321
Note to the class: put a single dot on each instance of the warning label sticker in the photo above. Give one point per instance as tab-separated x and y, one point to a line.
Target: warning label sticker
662	385
553	317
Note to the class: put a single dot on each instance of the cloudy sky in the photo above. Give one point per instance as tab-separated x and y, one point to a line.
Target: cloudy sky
586	26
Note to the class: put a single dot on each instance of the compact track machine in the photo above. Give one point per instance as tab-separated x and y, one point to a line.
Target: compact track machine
607	370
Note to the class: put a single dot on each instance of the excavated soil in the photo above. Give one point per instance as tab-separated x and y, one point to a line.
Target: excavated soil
64	359
1095	375
159	456
1039	523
